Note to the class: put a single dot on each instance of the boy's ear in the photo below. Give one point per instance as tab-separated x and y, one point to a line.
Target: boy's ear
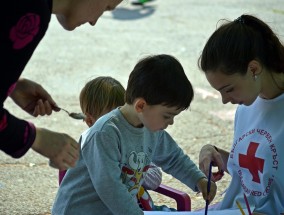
140	105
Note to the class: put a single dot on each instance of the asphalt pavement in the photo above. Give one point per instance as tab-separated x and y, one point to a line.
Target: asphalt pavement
64	61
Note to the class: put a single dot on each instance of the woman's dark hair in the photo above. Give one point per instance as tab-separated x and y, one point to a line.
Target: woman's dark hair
160	79
234	44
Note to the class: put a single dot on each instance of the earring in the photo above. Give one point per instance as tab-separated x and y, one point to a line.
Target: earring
255	77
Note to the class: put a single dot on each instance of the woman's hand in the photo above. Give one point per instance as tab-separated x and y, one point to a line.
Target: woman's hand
208	154
33	98
61	149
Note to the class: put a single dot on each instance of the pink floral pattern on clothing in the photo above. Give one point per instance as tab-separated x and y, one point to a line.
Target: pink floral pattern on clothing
26	134
25	30
3	122
11	89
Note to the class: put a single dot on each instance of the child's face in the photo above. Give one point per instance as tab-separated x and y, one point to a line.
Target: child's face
158	117
80	12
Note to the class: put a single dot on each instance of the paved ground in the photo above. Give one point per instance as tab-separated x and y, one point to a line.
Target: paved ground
64	61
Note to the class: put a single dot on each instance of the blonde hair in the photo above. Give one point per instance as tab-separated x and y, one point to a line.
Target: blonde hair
100	95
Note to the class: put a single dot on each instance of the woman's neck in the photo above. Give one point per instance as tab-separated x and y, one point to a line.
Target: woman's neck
272	85
58	6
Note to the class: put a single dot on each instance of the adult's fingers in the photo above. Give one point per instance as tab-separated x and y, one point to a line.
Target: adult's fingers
208	154
59	165
205	158
42	108
73	154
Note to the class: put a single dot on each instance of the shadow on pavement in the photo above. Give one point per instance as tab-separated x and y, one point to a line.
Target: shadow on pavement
139	12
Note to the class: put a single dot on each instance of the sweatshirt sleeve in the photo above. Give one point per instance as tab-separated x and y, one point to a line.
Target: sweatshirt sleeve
102	157
171	158
16	136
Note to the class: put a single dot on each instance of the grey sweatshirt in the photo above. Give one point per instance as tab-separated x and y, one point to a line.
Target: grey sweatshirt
113	160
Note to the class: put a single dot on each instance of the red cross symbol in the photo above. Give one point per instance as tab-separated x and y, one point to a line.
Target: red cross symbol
252	163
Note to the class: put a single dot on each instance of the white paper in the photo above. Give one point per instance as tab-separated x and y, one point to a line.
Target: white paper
222	212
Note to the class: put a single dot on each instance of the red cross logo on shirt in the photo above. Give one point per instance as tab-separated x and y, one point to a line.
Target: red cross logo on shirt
252	163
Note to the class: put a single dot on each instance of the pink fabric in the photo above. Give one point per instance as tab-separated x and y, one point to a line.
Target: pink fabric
28	140
11	89
61	175
26	134
25	30
27	130
3	122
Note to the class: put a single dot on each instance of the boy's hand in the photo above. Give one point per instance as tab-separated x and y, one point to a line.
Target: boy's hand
202	186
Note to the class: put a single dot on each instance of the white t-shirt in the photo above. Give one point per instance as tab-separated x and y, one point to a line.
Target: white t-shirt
255	162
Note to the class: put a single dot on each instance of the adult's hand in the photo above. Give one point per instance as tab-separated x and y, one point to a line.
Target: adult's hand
61	149
208	154
33	98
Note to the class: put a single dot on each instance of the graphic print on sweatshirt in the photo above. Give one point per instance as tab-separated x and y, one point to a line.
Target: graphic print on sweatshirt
256	159
133	171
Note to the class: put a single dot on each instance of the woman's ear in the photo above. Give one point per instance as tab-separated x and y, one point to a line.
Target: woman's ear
254	68
139	105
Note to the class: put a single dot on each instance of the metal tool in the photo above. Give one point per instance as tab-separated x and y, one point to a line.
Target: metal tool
74	115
